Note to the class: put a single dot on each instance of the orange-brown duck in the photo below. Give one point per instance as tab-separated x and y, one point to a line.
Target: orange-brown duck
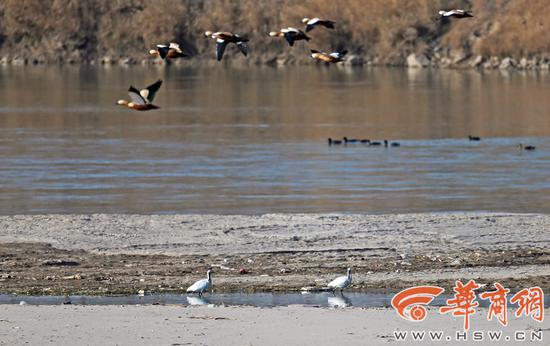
312	23
172	51
333	57
224	38
141	100
291	35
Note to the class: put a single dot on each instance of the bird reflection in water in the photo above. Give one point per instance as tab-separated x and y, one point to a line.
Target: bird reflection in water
339	301
197	300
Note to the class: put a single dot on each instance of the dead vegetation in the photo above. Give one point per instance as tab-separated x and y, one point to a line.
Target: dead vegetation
41	269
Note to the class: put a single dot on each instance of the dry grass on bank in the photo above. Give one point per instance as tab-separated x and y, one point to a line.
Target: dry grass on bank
388	29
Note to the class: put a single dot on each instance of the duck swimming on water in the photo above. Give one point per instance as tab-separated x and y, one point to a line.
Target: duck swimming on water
314	22
527	147
141	100
474	138
392	144
291	35
350	141
224	38
334	142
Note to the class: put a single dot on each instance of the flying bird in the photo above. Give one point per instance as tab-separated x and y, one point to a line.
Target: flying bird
291	35
312	23
224	38
172	51
201	285
333	57
456	13
141	100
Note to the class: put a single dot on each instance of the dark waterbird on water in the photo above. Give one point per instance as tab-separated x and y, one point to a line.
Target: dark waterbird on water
527	147
392	144
350	140
375	143
474	138
334	142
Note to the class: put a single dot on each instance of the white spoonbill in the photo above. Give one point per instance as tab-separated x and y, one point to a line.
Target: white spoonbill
341	282
201	285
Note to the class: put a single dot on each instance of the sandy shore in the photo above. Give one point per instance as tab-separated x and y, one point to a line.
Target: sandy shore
294	325
104	254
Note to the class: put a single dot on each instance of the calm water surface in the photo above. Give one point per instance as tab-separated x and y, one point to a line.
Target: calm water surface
348	299
254	140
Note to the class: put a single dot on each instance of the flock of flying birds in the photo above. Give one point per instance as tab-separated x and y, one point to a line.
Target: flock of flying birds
142	100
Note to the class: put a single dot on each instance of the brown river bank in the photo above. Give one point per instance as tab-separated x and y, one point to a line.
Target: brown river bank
112	254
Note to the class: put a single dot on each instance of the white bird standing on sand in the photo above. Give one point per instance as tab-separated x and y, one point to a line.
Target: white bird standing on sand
455	14
341	282
201	285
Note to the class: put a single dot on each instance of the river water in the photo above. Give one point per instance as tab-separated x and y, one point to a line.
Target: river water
253	140
326	299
